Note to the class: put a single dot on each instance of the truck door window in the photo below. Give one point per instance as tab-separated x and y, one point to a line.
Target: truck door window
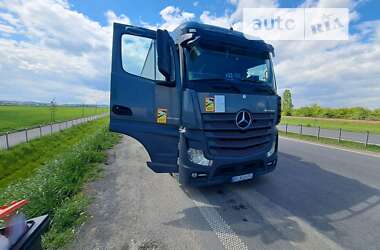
139	57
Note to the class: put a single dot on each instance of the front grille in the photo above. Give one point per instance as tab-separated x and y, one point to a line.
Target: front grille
224	138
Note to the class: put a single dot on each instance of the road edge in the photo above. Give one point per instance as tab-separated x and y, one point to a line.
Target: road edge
331	147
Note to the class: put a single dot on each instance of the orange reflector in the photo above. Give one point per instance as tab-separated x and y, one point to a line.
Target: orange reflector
8	210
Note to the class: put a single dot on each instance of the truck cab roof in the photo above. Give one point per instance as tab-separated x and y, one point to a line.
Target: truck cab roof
219	35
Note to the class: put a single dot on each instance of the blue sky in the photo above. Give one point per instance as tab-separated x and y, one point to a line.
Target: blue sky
137	10
61	48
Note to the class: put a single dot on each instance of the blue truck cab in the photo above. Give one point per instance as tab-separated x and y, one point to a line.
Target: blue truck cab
202	100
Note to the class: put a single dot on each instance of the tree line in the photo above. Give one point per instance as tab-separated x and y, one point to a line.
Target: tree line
315	110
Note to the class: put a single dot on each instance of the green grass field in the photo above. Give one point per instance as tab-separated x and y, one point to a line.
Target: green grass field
23	159
50	172
18	117
347	125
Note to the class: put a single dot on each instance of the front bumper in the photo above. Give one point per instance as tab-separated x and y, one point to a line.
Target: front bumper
222	170
223	174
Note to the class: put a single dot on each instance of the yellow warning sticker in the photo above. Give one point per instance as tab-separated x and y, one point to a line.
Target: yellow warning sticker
162	115
209	104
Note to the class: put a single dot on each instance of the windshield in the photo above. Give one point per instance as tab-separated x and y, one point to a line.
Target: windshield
203	64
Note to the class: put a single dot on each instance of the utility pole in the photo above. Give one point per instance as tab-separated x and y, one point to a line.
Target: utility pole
52	110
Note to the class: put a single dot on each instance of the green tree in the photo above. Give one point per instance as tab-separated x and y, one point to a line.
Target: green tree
287	104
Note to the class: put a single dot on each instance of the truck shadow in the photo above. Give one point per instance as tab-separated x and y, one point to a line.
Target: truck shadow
271	207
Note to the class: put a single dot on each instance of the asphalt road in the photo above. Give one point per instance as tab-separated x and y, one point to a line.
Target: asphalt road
318	198
334	133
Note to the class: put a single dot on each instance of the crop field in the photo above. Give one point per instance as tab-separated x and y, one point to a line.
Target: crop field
51	171
19	116
347	125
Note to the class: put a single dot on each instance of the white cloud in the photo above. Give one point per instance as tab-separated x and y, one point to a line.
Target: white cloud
332	73
9	19
7	30
174	16
332	3
234	19
223	21
53	24
351	4
58	53
113	18
237	15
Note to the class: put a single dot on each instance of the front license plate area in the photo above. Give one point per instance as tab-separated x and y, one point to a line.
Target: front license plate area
242	177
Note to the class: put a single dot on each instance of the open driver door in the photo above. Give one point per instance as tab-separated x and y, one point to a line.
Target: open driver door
145	92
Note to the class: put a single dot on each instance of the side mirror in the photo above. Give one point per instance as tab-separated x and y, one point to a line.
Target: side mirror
164	62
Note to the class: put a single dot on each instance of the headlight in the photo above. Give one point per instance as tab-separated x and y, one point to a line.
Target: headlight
196	156
272	149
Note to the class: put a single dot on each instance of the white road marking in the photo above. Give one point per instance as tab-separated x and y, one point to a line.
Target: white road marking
332	147
229	239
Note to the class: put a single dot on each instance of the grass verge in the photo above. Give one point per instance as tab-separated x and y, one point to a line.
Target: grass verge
56	187
334	142
22	160
347	125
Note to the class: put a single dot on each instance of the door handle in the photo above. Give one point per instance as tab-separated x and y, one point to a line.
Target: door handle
121	110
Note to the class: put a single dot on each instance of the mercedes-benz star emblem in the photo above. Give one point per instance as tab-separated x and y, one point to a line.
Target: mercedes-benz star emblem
243	119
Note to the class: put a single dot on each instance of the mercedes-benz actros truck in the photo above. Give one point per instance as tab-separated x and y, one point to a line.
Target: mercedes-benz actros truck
202	100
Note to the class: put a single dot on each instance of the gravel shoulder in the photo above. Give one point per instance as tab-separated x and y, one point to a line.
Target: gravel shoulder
134	208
